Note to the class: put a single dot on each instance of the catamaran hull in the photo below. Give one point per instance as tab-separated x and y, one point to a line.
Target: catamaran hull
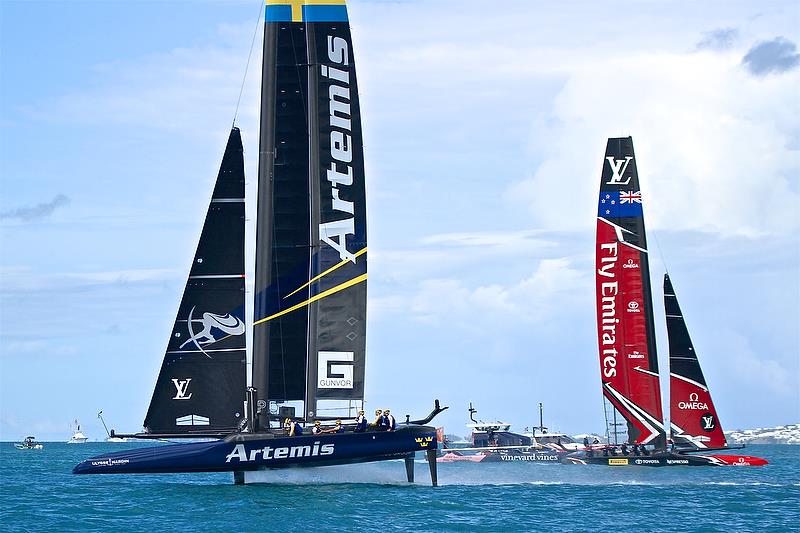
256	452
540	456
667	459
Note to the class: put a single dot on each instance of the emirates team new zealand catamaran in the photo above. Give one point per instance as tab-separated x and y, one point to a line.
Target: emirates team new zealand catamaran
310	292
626	338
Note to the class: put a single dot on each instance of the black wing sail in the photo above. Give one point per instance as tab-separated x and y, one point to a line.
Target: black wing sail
201	386
310	287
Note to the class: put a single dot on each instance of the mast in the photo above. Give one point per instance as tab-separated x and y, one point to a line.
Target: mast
310	285
625	325
693	417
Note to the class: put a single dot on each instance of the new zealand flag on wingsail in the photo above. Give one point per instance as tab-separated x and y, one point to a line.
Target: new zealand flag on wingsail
614	204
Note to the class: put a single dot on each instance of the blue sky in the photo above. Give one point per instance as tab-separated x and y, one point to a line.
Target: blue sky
484	136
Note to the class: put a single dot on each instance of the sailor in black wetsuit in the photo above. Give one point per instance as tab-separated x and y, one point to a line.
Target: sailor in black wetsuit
378	417
624	449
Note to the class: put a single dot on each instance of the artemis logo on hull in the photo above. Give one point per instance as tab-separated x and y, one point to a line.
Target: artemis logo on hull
340	173
618	167
269	453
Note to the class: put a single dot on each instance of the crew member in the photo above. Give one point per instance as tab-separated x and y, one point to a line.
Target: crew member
295	429
377	421
317	429
361	422
585	442
624	449
338	428
389	421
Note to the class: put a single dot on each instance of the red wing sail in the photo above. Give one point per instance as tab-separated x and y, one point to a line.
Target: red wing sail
692	414
625	331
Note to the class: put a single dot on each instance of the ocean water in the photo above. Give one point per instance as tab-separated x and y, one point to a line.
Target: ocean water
38	492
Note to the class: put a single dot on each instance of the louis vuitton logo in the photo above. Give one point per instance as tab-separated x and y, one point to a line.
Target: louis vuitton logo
618	167
181	388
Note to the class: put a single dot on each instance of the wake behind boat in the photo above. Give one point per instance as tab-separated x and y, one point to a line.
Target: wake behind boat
626	340
309	301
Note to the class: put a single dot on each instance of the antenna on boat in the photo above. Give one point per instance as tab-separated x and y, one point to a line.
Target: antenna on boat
541	418
100	416
472	412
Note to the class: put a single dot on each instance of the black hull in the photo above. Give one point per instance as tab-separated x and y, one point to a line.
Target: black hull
249	452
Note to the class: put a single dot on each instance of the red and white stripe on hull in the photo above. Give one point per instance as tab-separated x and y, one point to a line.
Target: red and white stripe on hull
736	460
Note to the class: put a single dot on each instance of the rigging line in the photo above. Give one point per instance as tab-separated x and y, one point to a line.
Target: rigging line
297	70
660	251
309	394
247	65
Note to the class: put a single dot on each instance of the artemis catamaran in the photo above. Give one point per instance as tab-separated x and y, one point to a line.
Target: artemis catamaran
310	292
626	339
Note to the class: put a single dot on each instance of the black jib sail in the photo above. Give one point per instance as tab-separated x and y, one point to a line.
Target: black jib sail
625	329
200	388
311	240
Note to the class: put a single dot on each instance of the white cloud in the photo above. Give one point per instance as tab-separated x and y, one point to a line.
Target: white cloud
712	143
553	286
22	279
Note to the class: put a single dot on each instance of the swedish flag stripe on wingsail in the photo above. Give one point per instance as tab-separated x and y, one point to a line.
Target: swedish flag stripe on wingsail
306	11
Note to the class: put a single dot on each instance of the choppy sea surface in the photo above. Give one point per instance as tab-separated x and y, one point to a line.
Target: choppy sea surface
38	492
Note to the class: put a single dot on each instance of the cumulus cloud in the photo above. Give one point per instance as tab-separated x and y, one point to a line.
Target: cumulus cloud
456	302
36	212
771	57
711	144
719	39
